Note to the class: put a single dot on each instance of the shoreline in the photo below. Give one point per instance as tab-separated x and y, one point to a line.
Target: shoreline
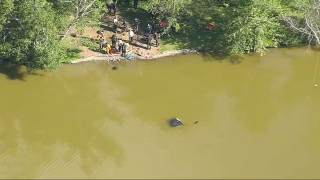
117	57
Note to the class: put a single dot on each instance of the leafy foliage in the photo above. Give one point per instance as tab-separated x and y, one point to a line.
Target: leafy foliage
72	54
303	16
30	30
88	42
168	10
253	26
29	36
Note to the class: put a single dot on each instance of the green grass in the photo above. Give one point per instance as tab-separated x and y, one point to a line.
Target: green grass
194	36
89	42
73	53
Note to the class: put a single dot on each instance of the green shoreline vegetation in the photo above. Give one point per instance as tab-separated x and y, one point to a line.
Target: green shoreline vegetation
32	33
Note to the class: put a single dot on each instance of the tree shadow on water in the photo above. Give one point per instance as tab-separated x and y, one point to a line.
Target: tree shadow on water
15	72
219	56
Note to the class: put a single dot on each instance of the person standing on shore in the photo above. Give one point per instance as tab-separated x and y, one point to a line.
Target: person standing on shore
154	27
120	44
108	48
109	5
124	49
149	38
161	25
135	4
131	33
157	37
149	29
115	24
125	26
136	23
114	8
114	41
101	41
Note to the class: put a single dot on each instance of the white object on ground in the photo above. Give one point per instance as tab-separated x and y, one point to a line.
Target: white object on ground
315	85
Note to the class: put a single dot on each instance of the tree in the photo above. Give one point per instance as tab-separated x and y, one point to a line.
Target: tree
29	30
303	16
30	37
84	13
6	7
253	25
168	10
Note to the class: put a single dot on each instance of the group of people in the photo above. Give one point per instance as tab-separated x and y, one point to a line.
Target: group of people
152	33
112	49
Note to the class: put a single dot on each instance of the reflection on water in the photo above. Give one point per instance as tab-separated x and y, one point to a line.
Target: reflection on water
257	119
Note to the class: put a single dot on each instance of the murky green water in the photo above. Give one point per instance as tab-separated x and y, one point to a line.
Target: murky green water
257	119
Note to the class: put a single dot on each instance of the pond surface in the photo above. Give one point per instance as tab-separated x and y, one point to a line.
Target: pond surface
259	118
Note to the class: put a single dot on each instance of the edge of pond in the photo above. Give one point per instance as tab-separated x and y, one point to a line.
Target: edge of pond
117	57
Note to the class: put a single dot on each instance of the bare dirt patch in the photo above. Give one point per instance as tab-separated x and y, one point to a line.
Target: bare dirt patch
138	46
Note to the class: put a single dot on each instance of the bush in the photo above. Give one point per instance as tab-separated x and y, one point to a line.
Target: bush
72	53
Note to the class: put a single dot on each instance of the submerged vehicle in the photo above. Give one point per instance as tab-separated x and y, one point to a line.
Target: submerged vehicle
175	122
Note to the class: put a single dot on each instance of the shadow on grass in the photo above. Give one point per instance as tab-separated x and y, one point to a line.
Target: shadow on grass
15	72
129	14
107	28
193	33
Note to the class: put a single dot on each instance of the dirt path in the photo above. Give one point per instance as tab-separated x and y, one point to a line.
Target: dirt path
138	46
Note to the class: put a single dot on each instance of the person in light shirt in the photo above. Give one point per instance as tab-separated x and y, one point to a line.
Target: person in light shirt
120	43
115	22
131	33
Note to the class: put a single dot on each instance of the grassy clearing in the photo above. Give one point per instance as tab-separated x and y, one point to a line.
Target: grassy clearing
191	35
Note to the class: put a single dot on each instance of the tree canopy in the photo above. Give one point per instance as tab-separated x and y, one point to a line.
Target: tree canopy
31	31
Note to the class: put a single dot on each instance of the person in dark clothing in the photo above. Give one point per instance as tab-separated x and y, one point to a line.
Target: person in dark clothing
136	23
114	7
149	29
157	37
135	4
124	50
161	26
109	6
154	27
114	41
149	38
125	26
